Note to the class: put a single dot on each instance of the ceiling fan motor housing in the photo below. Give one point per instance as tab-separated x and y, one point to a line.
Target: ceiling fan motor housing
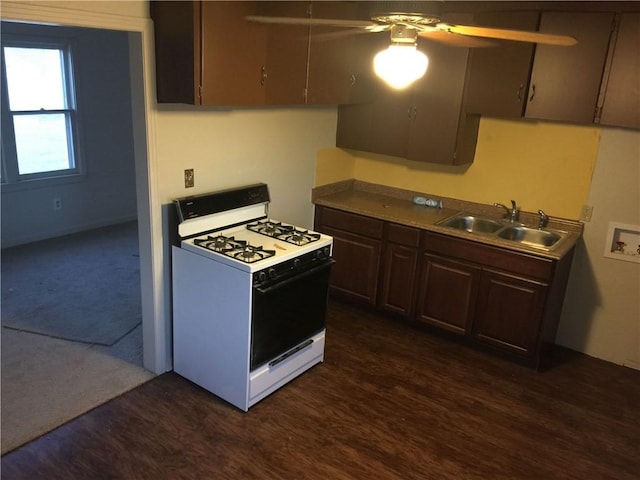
403	35
421	12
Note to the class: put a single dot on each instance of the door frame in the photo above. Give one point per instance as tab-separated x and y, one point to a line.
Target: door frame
154	283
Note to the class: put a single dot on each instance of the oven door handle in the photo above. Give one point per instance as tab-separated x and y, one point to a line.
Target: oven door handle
295	278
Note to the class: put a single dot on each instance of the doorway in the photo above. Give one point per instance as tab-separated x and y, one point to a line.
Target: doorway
94	394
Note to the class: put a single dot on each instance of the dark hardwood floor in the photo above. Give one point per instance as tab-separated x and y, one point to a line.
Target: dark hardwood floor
390	402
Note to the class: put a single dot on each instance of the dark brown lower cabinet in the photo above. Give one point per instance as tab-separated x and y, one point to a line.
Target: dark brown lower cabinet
506	301
399	269
355	272
509	312
503	300
448	290
357	247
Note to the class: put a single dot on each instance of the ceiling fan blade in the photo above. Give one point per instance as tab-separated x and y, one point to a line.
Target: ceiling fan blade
320	22
328	36
516	35
454	39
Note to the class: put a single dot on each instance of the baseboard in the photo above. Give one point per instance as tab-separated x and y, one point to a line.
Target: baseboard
67	231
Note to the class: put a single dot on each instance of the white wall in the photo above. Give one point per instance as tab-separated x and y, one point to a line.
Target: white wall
105	193
228	148
601	315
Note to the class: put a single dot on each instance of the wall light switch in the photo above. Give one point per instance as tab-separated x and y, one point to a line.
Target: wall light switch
188	178
585	214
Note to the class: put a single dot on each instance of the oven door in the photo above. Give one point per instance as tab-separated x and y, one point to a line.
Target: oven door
287	313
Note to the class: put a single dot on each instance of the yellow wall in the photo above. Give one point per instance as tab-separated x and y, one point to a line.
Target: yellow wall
541	165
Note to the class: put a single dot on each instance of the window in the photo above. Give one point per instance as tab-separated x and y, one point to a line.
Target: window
39	132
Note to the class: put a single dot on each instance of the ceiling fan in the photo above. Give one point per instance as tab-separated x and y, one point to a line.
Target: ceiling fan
401	64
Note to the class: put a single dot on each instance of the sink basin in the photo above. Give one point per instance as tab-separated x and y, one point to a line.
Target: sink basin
517	233
472	224
530	236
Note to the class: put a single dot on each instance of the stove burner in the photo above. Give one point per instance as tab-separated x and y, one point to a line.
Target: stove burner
238	249
286	233
250	253
269	228
299	237
220	243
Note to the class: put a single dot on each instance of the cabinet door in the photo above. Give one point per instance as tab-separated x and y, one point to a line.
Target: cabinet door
565	81
437	105
233	54
509	312
622	95
287	54
390	121
399	273
177	51
399	269
355	273
355	126
448	291
355	121
333	57
498	77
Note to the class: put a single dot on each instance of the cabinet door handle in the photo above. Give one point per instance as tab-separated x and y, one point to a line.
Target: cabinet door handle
263	75
533	92
519	93
411	112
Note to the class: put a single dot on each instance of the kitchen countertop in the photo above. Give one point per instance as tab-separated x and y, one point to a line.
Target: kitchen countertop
395	205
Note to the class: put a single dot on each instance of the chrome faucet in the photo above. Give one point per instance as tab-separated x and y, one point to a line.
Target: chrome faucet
544	219
513	213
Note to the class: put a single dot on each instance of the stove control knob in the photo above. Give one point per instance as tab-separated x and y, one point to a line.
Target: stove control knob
321	254
272	272
262	276
296	263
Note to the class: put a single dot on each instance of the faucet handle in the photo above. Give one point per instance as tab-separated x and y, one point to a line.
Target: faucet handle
515	212
544	219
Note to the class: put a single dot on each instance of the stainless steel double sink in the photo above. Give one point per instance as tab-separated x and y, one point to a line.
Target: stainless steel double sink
542	238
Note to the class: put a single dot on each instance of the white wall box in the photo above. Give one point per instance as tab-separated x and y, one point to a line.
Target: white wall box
623	242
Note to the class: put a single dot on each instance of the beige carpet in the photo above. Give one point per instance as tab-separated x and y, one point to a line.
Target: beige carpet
71	328
47	382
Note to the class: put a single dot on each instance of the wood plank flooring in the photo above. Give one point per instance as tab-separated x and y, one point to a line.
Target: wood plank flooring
390	402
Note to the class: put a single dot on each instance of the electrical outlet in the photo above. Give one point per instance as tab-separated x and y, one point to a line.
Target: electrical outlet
585	213
57	204
188	178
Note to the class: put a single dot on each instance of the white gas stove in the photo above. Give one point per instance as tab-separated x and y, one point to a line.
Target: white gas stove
249	294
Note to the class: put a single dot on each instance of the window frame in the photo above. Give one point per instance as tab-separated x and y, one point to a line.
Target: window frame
9	173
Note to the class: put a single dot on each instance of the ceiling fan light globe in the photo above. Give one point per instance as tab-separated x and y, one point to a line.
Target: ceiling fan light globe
400	65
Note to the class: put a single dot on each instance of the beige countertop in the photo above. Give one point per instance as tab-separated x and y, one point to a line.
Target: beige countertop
395	205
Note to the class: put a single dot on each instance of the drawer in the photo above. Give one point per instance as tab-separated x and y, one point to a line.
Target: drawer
402	235
518	263
352	223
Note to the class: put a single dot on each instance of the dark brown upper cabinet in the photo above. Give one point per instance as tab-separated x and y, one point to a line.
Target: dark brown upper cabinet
543	81
499	76
565	81
208	54
424	123
621	86
190	65
285	65
339	69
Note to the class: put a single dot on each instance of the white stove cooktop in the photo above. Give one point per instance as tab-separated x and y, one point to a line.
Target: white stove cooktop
282	250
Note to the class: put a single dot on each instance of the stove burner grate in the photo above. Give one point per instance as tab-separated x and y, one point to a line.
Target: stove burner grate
250	253
238	249
219	243
286	233
299	237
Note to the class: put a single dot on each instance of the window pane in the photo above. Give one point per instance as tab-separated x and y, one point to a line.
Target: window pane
35	78
41	143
